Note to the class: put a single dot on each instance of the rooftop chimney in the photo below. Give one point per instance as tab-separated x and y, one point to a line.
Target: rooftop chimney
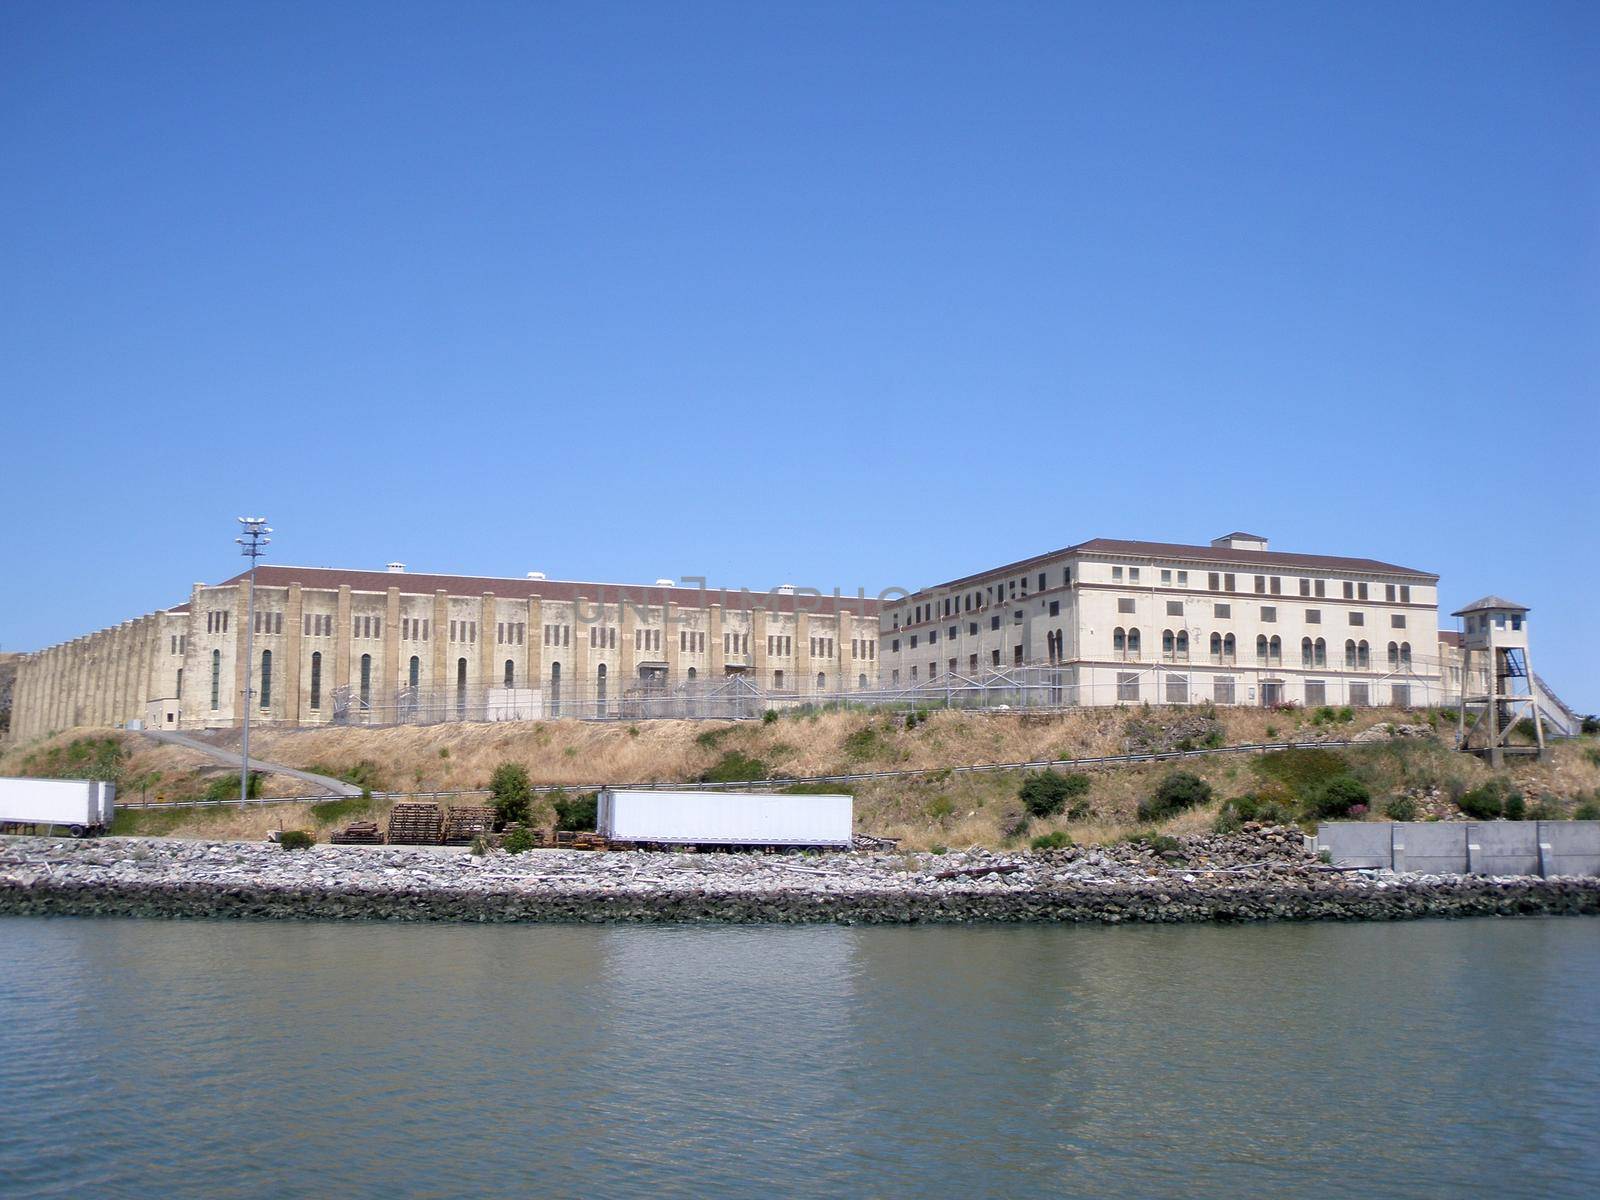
665	583
1240	541
535	574
395	568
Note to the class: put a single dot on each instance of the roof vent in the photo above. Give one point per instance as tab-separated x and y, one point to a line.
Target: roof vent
785	589
1240	541
665	583
396	568
535	574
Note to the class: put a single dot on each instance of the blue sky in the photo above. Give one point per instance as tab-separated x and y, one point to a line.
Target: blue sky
867	295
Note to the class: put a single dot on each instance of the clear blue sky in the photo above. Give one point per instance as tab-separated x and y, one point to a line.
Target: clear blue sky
857	294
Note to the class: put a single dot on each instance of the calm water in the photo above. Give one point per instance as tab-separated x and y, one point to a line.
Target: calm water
154	1059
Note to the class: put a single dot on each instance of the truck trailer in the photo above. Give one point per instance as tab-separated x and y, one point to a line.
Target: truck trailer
80	806
725	819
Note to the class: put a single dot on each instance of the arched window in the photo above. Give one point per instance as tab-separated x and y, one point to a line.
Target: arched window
1261	647
1169	644
216	678
1119	643
316	679
555	689
1320	649
600	690
1363	654
366	682
1229	648
461	688
1405	654
511	673
1216	647
1183	643
1275	649
693	673
861	681
1350	660
266	679
414	674
1394	655
1133	643
822	682
1306	658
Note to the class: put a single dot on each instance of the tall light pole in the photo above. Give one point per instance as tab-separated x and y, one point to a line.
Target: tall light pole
252	545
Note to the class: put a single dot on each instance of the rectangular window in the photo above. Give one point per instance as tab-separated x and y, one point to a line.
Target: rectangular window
1305	587
1214	581
1166	577
1174	608
1277	585
1349	590
1133	574
1320	586
1127	685
994	658
1269	613
1405	593
1397	621
1400	695
1222	610
972	628
1222	689
1041	588
933	636
1313	616
1358	618
1261	584
1055	608
894	646
453	635
1388	592
1177	689
1228	583
1124	604
1116	574
1358	695
1316	693
424	628
1183	579
1361	590
994	622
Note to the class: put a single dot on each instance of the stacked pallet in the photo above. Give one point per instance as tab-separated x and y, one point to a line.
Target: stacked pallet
465	823
358	833
415	823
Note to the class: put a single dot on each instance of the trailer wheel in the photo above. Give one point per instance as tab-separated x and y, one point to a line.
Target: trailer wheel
76	831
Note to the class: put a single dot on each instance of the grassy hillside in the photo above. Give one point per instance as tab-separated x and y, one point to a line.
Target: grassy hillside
943	808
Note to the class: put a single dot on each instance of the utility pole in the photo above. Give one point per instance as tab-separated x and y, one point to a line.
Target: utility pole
253	544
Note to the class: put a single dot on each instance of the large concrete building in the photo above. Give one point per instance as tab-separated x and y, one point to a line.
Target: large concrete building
378	647
1234	622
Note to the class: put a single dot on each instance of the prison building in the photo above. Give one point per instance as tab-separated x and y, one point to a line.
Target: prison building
333	646
1128	622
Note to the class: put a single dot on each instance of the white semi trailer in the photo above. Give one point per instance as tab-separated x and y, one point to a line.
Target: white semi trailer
725	819
80	806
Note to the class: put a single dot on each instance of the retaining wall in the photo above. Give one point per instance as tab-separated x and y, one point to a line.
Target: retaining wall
1465	847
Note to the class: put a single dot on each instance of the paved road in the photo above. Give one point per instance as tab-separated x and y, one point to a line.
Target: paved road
232	757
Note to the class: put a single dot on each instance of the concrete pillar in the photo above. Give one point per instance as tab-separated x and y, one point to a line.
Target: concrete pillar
670	629
845	668
628	675
577	699
444	676
762	677
294	655
489	662
805	673
343	641
393	670
717	664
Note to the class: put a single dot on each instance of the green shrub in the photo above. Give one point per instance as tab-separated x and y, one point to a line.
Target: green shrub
1157	843
1178	791
519	841
1592	753
577	813
1591	724
1489	801
1516	808
1048	792
734	767
769	717
328	811
939	848
364	774
941	807
1058	840
863	743
444	751
1589	810
1302	771
511	793
1401	808
226	787
915	717
709	738
1545	810
1337	797
296	839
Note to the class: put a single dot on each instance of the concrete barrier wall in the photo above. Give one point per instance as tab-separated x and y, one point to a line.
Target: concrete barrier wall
1465	847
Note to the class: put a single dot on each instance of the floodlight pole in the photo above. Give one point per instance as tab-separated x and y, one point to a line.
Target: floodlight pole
252	545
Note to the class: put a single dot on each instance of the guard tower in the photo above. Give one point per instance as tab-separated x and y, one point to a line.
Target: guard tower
1495	637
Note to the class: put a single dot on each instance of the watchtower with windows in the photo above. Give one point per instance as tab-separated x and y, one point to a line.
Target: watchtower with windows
1495	636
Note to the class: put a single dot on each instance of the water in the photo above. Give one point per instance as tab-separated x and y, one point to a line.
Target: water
157	1059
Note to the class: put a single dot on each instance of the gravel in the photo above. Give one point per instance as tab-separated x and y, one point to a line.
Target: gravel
1261	873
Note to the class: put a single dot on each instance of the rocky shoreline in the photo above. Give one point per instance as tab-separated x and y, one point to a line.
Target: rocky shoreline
1257	875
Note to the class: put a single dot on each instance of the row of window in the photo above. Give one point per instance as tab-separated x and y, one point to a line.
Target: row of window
269	622
217	620
558	635
994	593
179	643
862	648
510	633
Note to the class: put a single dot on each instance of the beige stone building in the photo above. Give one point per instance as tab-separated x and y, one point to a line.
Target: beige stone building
1126	622
380	647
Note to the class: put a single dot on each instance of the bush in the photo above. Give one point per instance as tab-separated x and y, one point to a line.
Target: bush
1401	808
577	813
1489	801
916	717
1058	840
1591	724
1157	843
511	793
1047	793
1587	811
518	841
1176	792
296	839
1336	797
1302	771
227	787
769	717
1516	808
734	767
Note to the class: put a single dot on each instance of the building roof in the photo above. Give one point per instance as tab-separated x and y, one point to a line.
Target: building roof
1216	554
1449	637
1239	533
417	583
1490	602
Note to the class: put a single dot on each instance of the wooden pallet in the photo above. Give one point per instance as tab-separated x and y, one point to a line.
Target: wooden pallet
415	823
359	833
467	822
